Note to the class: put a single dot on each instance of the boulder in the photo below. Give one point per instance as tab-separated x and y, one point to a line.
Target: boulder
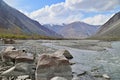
49	66
58	78
10	48
10	53
25	59
66	53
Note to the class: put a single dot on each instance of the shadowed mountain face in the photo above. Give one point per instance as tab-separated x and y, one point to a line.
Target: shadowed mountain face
111	29
13	21
74	30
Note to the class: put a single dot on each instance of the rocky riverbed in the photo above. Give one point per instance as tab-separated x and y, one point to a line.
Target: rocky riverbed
92	59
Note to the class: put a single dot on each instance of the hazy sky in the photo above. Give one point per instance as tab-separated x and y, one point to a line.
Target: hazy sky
94	12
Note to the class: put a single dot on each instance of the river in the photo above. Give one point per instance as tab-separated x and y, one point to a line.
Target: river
106	61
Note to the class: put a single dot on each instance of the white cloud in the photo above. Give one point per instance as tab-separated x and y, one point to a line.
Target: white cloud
71	10
57	14
93	5
97	19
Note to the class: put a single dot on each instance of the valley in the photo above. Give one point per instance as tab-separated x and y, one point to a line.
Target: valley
62	40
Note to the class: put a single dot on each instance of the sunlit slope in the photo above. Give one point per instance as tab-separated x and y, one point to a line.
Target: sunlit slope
111	29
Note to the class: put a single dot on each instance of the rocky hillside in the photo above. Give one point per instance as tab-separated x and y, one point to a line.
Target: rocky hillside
111	29
74	30
13	21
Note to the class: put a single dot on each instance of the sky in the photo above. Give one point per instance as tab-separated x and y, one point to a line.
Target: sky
95	12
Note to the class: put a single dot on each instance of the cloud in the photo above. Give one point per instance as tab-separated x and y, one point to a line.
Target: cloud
93	5
75	10
57	14
97	19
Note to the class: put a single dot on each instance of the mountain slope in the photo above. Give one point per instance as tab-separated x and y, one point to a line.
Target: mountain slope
74	30
111	29
13	21
54	27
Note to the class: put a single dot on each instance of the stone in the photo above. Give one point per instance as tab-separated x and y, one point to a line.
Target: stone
14	54
17	56
106	76
18	79
87	77
61	52
82	73
10	53
9	48
20	69
7	72
25	59
58	78
72	63
8	41
23	77
49	66
76	77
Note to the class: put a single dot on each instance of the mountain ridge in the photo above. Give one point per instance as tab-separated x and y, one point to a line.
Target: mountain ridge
111	29
74	30
11	18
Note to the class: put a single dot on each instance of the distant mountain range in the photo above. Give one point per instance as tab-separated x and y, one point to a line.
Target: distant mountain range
14	22
111	29
74	30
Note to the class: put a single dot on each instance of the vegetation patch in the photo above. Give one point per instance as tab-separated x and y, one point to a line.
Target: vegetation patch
106	38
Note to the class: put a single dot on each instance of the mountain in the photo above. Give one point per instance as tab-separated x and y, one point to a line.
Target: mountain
74	30
111	29
14	22
54	27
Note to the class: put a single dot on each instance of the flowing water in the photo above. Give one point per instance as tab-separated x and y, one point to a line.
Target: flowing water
108	61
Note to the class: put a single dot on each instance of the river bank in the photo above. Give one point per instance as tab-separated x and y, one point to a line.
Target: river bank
91	57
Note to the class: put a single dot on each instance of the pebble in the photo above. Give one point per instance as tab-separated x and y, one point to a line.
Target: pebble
106	76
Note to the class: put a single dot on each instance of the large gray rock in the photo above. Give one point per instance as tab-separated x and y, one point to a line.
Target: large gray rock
49	66
9	48
11	53
58	78
62	52
25	59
